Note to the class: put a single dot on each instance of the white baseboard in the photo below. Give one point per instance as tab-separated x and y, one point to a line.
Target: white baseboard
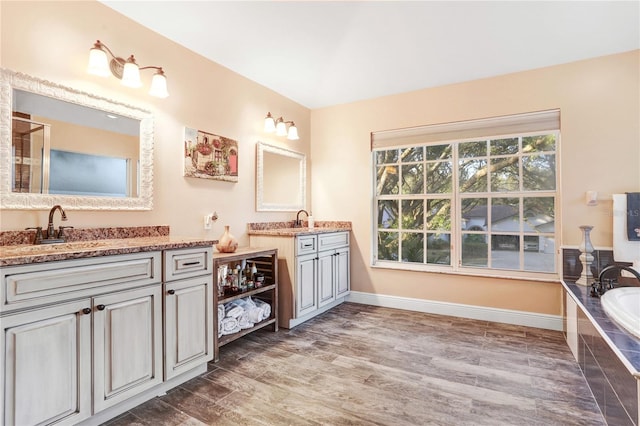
528	319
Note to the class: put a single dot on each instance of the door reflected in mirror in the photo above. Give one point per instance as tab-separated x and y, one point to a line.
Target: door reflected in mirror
280	179
64	148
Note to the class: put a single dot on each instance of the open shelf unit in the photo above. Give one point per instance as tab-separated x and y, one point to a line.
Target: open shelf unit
266	261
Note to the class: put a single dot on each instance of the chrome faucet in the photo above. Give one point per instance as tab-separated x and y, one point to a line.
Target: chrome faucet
298	222
51	232
602	284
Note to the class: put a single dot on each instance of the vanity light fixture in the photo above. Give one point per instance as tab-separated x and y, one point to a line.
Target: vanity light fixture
279	126
126	70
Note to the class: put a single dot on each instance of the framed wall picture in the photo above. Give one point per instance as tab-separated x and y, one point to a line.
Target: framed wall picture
210	156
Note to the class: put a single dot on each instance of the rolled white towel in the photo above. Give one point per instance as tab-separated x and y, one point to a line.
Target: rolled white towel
233	311
265	307
220	312
230	325
243	321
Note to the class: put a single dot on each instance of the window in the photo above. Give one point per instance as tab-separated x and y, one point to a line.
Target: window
448	200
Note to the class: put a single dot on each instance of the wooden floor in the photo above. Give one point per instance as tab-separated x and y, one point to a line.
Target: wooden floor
364	365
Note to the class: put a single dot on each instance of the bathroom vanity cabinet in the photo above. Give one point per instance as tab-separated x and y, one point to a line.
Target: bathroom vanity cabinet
266	261
84	337
316	273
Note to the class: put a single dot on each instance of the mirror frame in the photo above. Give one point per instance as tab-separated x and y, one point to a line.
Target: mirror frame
10	80
261	204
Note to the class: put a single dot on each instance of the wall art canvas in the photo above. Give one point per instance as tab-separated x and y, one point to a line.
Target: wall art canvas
210	156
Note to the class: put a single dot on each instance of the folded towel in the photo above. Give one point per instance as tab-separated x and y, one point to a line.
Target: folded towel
220	312
633	216
229	326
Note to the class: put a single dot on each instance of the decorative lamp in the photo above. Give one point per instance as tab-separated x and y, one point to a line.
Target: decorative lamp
269	124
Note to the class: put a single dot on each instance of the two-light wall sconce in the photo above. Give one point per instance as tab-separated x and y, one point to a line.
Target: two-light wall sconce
279	126
126	70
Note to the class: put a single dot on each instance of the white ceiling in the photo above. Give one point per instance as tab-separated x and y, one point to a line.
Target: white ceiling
322	53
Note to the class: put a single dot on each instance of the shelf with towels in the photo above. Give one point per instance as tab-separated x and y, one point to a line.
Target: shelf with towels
266	261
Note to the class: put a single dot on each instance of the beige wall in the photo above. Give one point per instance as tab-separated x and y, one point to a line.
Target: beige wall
51	40
600	150
600	132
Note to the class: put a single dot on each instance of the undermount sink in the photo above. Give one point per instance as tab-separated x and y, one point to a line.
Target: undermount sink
623	306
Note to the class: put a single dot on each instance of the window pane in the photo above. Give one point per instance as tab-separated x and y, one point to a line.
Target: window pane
472	149
539	213
504	146
505	251
388	245
439	249
473	176
412	154
505	174
413	247
539	172
388	214
539	143
439	177
439	152
439	215
413	214
474	250
387	180
474	214
386	157
540	261
413	179
505	215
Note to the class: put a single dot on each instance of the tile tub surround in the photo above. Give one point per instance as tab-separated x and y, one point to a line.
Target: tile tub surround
129	241
609	358
286	229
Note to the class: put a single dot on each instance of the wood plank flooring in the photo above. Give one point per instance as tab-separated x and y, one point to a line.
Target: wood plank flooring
365	365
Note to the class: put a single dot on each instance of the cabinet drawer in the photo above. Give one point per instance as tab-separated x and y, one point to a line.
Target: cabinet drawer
333	240
186	263
31	285
306	244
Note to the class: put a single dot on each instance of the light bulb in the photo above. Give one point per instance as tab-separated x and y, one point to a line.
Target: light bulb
131	73
269	124
293	132
159	85
98	61
281	127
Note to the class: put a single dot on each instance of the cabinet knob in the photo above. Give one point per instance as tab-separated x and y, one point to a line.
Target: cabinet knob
101	307
86	311
171	292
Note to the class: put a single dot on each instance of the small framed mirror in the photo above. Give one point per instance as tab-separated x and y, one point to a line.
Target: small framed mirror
62	146
281	179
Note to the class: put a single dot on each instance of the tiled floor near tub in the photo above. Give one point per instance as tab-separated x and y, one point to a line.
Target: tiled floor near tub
364	365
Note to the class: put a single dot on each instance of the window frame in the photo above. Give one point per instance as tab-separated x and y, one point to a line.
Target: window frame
456	196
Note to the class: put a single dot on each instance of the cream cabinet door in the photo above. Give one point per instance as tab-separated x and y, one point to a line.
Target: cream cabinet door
306	285
188	324
127	344
342	274
326	282
46	364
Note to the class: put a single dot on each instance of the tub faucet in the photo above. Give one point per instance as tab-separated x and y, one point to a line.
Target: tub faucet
51	232
602	284
298	222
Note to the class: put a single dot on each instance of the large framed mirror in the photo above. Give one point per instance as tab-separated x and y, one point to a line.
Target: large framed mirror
281	179
62	146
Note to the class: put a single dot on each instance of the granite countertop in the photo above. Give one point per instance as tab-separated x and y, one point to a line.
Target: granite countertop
292	232
625	345
23	254
286	229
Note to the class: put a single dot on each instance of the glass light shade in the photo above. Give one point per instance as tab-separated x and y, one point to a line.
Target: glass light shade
269	124
131	75
293	133
281	127
98	62
159	85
